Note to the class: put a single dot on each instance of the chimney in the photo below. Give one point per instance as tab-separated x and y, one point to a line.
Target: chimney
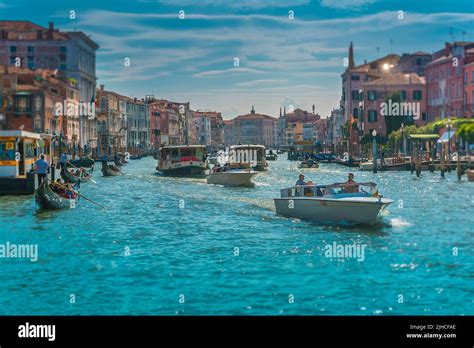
51	26
447	48
313	108
101	87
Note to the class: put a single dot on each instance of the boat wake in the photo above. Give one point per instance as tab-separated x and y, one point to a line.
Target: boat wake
397	223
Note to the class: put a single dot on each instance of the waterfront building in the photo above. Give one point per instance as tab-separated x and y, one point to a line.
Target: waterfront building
111	121
229	133
382	97
71	53
334	130
217	127
445	76
292	126
202	126
254	128
413	63
469	85
138	125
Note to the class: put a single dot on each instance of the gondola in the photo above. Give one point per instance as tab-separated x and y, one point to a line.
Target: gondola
48	199
110	169
84	175
83	162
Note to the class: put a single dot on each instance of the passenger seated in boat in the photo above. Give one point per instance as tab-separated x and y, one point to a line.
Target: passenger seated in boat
308	190
300	181
350	185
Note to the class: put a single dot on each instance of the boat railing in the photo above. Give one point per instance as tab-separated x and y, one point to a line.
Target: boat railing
323	190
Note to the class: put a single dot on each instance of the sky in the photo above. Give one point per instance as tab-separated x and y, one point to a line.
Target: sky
282	61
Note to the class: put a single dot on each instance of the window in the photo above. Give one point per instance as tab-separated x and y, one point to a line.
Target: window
472	76
403	95
418	61
372	95
62	66
417	95
423	116
355	95
22	104
63	49
355	78
12	49
372	116
355	113
12	60
103	103
31	62
31	49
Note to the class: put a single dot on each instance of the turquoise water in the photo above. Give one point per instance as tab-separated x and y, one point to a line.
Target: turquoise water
190	254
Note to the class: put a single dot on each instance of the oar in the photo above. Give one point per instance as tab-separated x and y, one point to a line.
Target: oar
81	195
79	174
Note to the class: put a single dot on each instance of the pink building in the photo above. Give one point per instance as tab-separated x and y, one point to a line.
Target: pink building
469	84
445	81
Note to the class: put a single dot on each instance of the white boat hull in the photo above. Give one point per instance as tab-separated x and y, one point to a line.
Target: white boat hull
242	178
354	210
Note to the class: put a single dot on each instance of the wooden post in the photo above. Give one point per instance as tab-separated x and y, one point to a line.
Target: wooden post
418	160
412	158
432	148
458	164
442	158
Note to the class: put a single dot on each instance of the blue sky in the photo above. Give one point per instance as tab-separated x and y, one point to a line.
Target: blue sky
282	61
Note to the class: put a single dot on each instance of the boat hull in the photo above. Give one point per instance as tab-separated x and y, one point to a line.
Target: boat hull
232	179
184	169
70	178
360	211
47	199
107	171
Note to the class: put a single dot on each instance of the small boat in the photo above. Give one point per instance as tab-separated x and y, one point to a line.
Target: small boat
81	174
83	162
323	203
470	174
232	177
213	160
52	196
249	153
309	164
183	160
110	169
271	156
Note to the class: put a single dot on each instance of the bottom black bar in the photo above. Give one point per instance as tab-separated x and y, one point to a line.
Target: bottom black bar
406	330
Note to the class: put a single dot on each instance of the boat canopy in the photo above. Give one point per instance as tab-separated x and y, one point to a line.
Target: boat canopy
423	136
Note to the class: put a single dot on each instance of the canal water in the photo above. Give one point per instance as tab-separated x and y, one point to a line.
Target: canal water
168	246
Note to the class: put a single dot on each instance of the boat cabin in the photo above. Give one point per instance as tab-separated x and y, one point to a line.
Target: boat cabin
254	154
176	154
19	150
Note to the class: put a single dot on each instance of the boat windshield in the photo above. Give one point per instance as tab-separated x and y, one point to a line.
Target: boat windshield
339	190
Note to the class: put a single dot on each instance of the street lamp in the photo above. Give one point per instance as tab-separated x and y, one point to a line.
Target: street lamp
374	150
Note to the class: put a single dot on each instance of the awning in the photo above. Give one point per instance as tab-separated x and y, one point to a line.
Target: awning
444	137
423	136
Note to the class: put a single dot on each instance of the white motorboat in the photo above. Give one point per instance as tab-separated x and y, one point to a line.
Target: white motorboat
309	164
254	154
232	177
331	203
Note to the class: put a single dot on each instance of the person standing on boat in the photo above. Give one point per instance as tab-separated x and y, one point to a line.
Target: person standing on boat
300	181
41	168
63	160
351	186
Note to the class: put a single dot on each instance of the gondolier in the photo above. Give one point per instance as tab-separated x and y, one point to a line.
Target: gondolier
41	169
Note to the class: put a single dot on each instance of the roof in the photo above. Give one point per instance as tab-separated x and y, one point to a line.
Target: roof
247	146
393	58
26	30
183	146
250	116
397	79
19	133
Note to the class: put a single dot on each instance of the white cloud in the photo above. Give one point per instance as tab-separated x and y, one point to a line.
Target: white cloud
260	82
346	4
236	4
236	70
